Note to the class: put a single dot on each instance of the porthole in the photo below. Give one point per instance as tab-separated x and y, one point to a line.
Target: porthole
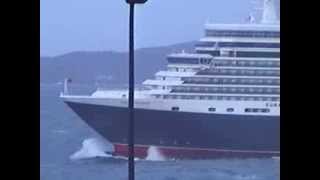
230	110
211	109
175	108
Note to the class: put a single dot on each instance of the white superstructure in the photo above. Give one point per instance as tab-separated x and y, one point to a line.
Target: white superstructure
235	70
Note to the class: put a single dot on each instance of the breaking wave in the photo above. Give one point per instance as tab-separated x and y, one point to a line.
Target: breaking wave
154	154
92	148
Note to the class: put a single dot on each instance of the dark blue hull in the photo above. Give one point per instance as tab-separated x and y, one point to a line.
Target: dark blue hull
237	134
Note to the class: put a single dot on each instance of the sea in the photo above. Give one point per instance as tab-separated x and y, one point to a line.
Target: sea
70	150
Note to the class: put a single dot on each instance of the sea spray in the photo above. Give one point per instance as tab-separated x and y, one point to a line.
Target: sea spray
92	148
154	154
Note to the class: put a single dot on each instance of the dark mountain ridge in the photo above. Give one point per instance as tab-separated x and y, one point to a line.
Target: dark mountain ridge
111	67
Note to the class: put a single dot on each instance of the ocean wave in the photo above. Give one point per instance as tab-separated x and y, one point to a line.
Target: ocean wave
92	148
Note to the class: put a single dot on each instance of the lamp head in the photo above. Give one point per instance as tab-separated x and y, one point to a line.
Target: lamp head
136	1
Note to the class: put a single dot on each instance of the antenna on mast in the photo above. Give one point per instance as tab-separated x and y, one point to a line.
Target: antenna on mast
269	15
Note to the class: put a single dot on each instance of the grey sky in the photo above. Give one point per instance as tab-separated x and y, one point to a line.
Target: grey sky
73	25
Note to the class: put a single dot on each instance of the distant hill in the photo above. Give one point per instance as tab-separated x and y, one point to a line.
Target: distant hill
106	66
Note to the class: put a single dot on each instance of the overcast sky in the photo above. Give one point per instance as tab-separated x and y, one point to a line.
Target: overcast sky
94	25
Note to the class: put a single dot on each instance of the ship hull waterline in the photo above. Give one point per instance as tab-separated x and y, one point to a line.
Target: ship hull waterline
185	135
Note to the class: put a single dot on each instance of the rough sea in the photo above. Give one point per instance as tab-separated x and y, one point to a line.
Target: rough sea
70	150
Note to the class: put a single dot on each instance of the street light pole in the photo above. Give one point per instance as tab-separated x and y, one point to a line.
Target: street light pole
131	93
131	88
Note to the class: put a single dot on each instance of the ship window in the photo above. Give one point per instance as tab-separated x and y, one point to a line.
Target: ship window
242	90
232	98
255	110
252	63
233	89
269	99
260	81
258	54
241	63
219	98
192	97
260	98
269	90
224	71
230	110
251	71
175	108
270	63
233	80
211	109
233	71
242	71
214	89
260	90
224	63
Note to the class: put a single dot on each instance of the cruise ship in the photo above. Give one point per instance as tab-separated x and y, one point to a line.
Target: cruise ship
221	101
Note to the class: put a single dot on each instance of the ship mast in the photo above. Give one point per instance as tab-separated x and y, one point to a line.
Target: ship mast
269	15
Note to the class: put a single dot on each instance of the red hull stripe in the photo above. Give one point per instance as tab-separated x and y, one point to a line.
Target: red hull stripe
181	152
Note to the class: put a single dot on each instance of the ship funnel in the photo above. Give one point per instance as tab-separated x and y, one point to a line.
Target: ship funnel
269	15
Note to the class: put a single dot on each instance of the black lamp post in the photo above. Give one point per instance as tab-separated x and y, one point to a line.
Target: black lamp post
131	87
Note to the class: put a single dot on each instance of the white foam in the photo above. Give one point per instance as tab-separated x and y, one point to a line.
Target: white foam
154	154
277	158
92	148
245	177
59	131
